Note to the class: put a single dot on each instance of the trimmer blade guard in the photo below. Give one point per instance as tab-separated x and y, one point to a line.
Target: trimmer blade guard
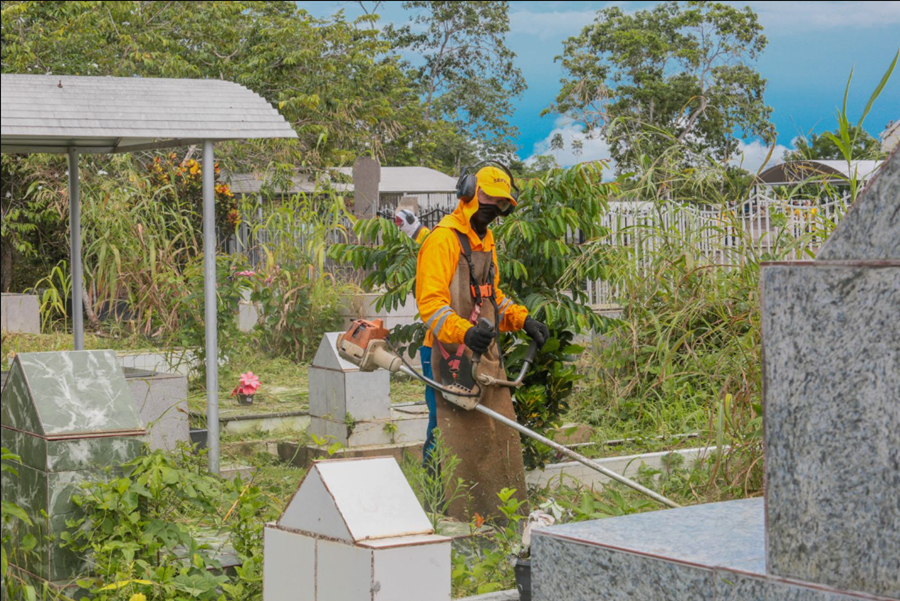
459	380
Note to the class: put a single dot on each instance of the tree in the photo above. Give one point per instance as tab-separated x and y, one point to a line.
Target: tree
823	147
468	76
338	83
678	67
536	166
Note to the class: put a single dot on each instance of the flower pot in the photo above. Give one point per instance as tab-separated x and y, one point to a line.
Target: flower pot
198	437
523	578
245	399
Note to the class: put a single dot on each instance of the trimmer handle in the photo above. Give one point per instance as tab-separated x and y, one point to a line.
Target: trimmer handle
531	352
485	325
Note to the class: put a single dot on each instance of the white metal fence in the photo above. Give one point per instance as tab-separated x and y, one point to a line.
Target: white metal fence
721	235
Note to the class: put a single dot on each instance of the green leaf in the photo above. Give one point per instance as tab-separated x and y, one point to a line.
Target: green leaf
877	92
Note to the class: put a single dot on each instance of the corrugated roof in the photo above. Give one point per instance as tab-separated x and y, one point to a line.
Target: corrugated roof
798	171
250	183
51	113
411	180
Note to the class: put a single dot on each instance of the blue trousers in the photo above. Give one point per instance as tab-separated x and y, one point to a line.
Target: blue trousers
425	355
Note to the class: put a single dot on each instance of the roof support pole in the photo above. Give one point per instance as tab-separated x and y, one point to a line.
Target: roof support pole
75	260
210	312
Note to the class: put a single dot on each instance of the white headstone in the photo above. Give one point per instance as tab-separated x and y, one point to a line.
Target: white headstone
370	497
340	393
327	356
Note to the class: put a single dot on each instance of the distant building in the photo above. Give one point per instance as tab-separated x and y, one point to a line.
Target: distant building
430	187
834	172
890	137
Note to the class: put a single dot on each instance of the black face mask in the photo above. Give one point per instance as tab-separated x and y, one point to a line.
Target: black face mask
483	217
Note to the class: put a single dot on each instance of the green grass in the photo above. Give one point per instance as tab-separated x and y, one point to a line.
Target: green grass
61	341
405	389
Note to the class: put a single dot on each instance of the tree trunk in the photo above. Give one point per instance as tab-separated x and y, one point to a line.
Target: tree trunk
6	265
88	300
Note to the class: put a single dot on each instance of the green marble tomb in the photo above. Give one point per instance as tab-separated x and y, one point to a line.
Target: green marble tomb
69	416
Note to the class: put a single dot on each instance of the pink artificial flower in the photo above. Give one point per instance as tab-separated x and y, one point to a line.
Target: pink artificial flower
248	385
247	274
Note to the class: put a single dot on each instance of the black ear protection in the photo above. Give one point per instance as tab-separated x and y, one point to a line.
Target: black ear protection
467	183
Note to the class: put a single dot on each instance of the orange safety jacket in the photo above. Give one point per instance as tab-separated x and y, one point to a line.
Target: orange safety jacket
435	268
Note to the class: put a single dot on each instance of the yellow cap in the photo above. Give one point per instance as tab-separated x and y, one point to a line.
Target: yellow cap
495	182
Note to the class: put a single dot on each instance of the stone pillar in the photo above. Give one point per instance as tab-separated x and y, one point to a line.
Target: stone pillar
831	387
366	181
410	203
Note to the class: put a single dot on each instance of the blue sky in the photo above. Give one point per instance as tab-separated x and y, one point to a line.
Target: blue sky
812	47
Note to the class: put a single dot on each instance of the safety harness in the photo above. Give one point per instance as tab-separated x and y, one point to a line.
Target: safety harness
480	292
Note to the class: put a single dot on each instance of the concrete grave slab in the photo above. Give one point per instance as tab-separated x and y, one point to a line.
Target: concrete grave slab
402	428
713	552
871	227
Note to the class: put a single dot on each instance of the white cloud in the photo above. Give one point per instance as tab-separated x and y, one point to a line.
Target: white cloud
752	154
593	148
817	15
549	25
778	15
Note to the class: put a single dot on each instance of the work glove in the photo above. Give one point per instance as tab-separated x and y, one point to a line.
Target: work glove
478	339
408	223
536	331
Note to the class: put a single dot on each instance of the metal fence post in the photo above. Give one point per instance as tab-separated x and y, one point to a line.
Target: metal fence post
209	306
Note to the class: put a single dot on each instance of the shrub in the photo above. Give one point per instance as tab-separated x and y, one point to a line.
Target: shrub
296	308
142	530
24	552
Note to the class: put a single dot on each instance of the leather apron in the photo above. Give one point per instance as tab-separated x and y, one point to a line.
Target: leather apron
490	453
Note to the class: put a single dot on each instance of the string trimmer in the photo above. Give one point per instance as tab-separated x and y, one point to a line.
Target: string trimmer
366	345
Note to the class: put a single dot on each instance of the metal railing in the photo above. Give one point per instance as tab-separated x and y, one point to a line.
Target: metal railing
721	235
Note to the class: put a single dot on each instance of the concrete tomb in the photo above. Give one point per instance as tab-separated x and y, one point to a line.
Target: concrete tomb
353	407
20	313
161	401
355	531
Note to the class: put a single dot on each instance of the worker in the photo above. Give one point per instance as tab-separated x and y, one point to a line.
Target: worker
410	225
457	282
